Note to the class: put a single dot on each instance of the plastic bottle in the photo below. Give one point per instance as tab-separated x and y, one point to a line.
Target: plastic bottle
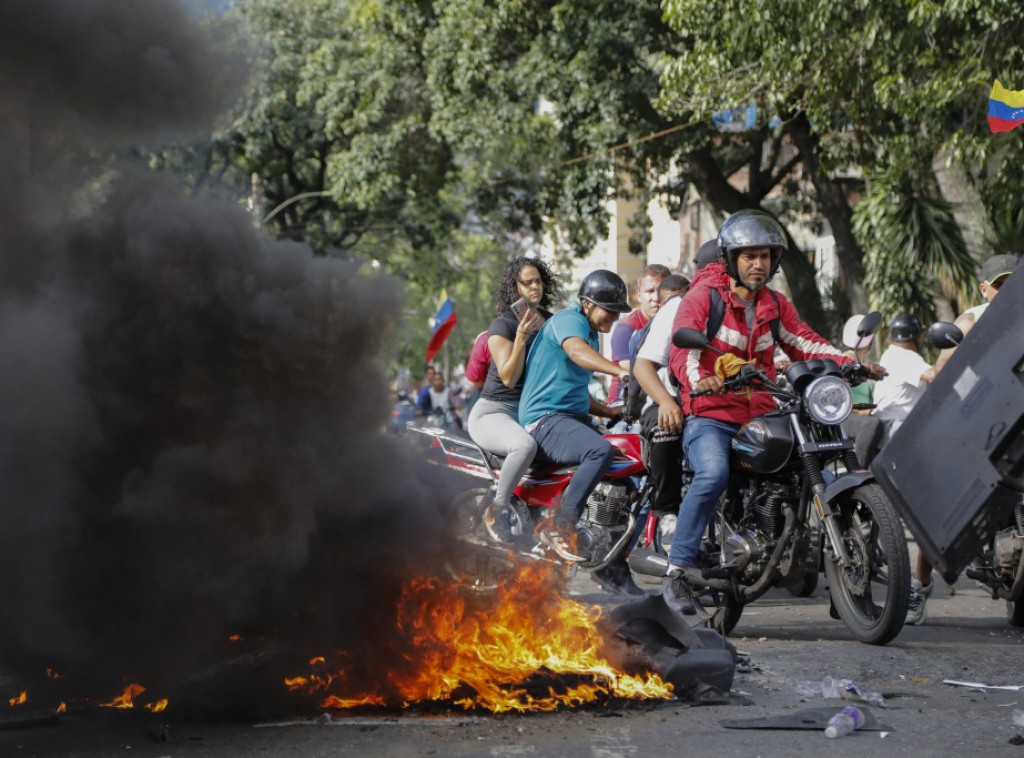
847	689
844	722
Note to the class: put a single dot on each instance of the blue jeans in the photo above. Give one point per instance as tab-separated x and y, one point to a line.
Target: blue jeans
567	439
706	444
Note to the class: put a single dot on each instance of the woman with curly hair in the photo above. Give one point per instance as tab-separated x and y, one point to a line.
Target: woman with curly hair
527	285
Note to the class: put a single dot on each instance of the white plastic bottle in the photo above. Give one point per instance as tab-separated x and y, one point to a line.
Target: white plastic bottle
844	722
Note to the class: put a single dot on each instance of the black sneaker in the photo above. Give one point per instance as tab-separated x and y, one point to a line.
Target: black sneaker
678	595
616	579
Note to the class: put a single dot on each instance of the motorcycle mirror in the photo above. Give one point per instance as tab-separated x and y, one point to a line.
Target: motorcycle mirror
869	324
944	335
690	339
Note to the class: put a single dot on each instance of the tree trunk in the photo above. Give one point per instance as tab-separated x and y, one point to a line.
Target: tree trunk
836	208
715	188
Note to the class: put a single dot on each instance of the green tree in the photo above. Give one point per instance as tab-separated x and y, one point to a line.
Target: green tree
871	85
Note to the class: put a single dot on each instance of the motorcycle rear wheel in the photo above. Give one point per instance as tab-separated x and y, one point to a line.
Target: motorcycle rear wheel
479	563
871	595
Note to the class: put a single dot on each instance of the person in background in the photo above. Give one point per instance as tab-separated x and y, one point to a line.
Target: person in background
556	406
428	382
909	374
494	425
647	295
994	272
866	430
438	402
478	362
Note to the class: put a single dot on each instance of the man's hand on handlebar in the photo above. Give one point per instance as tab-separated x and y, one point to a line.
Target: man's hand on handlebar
710	385
875	371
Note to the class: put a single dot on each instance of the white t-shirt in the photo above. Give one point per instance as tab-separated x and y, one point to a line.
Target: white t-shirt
658	344
897	394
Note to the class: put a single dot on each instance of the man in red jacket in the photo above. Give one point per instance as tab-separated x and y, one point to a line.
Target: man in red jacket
750	245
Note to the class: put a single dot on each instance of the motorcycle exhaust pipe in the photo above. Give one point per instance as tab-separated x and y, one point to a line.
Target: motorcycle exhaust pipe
648	563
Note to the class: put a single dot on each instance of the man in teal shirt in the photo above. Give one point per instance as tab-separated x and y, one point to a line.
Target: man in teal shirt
556	403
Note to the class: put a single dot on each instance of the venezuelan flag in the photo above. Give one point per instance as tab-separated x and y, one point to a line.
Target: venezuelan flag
1005	108
444	322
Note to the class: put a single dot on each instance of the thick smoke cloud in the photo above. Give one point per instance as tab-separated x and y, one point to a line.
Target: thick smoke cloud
189	413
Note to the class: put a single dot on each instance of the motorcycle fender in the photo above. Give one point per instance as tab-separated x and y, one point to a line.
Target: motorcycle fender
847	482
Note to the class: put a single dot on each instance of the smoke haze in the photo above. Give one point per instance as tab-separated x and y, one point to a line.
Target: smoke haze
189	413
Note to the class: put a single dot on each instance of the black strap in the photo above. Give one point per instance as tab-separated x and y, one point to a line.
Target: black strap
716	314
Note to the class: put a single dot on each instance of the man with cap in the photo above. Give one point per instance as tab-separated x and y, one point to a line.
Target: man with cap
556	403
994	272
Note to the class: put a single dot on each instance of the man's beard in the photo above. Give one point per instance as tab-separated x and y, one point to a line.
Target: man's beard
753	286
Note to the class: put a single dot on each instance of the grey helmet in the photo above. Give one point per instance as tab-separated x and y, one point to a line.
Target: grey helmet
750	228
605	289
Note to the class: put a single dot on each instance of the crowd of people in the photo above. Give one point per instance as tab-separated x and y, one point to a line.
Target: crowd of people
526	389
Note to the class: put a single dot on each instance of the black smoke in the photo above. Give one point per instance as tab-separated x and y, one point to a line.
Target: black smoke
190	413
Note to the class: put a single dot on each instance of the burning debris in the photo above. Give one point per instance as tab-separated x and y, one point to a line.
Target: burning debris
190	416
526	648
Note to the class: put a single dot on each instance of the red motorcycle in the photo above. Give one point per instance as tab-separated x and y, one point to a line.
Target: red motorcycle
609	518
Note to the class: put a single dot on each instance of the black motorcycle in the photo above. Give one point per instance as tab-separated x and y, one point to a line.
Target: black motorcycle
788	466
1000	568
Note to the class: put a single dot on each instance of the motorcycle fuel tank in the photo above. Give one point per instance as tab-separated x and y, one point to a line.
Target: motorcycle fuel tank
763	445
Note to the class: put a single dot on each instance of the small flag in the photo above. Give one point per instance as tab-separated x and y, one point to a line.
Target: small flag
1005	108
444	322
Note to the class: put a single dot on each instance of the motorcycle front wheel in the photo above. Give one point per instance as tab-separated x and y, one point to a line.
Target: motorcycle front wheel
1015	612
871	594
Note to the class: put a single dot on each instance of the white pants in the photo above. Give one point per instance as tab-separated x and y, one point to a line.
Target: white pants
494	426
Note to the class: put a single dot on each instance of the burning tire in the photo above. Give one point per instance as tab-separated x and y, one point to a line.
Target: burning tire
480	562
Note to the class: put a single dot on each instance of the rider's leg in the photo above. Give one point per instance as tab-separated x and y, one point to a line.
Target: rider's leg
570	440
494	426
706	445
666	462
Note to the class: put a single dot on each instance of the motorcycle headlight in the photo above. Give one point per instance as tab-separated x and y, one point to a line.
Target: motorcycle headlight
829	400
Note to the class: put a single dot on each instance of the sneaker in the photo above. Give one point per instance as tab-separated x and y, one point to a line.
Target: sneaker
554	539
678	595
616	579
919	594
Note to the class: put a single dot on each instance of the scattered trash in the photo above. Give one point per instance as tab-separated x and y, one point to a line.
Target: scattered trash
980	686
847	689
844	722
812	718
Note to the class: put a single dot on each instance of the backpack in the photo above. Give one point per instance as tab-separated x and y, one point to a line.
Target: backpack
636	397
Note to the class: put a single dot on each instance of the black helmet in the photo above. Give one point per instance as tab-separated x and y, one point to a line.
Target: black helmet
904	328
750	228
605	289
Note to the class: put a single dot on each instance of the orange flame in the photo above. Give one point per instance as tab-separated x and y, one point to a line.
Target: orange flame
62	708
19	699
159	705
125	700
481	657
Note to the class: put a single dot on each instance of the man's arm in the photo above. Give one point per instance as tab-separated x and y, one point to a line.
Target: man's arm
670	415
597	408
584	356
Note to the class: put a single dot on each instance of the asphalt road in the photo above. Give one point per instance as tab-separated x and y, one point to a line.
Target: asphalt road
787	641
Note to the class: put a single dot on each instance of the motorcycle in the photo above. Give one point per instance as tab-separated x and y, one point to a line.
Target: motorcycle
1000	568
609	518
788	466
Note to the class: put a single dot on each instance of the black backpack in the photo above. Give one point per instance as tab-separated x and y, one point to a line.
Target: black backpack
636	397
